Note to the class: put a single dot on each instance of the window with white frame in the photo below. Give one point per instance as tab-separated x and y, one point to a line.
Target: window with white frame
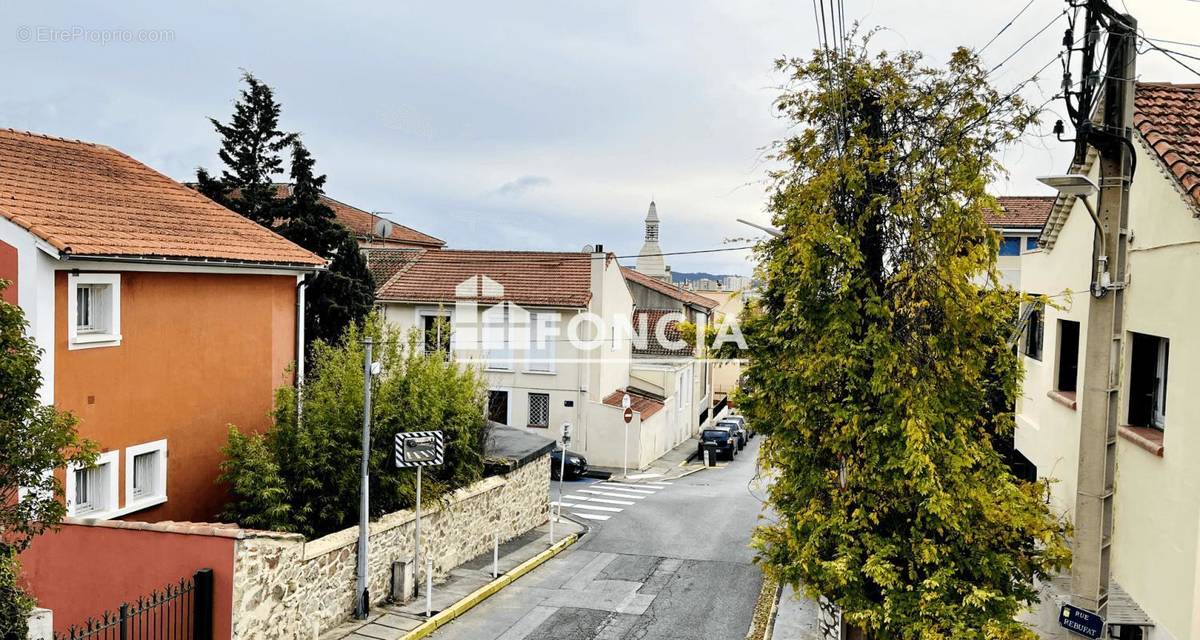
93	310
92	491
146	474
543	334
539	410
497	342
1148	381
435	333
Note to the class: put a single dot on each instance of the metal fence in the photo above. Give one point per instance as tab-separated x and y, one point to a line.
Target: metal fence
181	611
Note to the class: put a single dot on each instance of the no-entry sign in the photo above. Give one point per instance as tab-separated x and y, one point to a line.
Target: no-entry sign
628	415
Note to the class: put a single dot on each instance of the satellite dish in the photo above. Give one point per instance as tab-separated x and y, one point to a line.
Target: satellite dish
383	228
587	248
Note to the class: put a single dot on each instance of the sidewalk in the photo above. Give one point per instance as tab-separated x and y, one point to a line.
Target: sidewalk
394	621
673	464
797	617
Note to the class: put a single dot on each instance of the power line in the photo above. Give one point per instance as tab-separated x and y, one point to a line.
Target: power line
1178	42
1026	43
1005	27
1171	54
684	253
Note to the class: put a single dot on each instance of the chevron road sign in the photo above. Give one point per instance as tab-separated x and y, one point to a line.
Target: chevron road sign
419	449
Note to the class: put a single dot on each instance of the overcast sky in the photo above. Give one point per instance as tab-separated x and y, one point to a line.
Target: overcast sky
513	125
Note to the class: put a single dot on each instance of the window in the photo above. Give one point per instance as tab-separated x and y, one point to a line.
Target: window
146	474
435	333
543	333
93	310
92	491
1010	246
1068	356
1031	243
1034	329
539	410
498	406
1148	381
497	337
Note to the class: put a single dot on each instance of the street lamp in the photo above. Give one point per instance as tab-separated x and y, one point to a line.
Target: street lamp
771	230
1081	186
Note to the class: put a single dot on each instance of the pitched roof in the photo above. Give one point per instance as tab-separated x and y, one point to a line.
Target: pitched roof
1168	117
362	224
639	401
668	289
654	346
385	262
1021	212
528	278
87	199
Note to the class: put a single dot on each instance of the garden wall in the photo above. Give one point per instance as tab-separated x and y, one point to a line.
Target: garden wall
284	587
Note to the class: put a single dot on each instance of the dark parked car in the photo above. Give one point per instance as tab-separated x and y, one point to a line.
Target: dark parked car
575	468
742	435
722	438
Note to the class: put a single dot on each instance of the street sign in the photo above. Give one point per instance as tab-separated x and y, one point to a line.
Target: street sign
628	415
1080	621
626	401
419	449
566	435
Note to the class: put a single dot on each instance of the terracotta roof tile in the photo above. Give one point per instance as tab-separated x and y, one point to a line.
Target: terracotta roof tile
1021	212
362	224
385	262
91	200
1168	117
654	346
529	278
638	401
668	289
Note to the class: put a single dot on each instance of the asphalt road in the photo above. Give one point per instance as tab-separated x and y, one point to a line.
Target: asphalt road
671	562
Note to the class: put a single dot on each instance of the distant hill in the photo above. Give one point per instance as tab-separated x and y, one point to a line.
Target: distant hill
685	276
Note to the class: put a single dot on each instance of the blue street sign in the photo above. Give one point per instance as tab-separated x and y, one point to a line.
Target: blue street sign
1080	621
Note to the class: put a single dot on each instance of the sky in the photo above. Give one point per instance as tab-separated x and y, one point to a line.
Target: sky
509	125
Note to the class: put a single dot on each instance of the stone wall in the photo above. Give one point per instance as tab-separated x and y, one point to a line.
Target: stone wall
285	587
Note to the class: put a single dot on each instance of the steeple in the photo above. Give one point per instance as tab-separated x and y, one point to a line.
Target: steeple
650	259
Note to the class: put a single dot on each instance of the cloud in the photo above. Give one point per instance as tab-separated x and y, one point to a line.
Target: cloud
518	187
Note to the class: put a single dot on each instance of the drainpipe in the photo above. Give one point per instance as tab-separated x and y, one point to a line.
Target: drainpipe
301	287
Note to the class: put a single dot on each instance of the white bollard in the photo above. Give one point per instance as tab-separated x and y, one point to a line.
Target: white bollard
429	588
496	554
706	457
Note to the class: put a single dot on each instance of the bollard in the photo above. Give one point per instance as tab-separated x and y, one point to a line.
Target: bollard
496	554
552	523
706	457
429	588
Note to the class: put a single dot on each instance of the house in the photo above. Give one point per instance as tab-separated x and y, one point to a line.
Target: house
372	229
163	318
1155	553
726	375
545	329
666	365
1019	222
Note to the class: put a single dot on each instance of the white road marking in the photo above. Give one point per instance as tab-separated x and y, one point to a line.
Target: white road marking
613	494
581	498
625	487
590	516
596	507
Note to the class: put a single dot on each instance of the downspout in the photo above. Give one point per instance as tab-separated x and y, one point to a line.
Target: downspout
301	287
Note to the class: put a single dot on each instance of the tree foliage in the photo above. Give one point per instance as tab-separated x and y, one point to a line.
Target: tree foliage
303	475
879	346
34	440
251	150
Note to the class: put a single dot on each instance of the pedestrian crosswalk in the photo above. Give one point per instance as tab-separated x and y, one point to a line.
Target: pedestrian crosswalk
603	500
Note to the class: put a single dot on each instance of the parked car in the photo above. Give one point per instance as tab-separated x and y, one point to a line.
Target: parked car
741	420
742	435
721	437
575	468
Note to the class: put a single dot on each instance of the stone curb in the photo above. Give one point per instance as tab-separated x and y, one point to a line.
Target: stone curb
769	632
483	593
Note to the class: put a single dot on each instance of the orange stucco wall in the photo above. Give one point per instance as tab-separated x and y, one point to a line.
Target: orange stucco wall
8	271
198	352
82	571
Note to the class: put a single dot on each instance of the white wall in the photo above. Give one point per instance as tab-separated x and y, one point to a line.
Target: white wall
35	295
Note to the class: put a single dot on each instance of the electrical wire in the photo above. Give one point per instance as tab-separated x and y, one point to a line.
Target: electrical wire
1005	27
1171	54
685	253
1026	43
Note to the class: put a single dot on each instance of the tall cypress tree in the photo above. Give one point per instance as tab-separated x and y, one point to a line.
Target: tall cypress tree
251	150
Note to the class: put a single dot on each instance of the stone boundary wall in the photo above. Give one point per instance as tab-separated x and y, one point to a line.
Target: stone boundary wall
285	587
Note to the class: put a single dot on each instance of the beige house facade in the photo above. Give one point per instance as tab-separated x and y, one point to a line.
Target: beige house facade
1156	525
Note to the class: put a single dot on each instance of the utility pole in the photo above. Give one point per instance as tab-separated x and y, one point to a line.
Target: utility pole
362	600
1100	405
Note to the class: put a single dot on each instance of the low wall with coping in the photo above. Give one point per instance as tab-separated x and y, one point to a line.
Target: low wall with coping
285	587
